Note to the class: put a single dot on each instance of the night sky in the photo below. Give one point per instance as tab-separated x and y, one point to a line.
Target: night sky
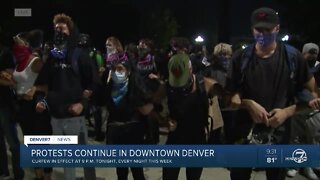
215	20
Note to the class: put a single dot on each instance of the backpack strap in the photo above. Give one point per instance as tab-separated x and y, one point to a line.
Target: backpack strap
290	53
291	60
204	98
246	56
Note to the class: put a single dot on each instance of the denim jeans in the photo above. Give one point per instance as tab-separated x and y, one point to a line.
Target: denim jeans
73	126
8	131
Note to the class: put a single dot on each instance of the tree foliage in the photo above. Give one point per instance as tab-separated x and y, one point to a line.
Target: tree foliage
159	25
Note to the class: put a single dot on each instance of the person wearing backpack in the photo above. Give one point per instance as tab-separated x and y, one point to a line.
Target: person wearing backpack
265	78
300	131
310	52
67	76
188	109
218	69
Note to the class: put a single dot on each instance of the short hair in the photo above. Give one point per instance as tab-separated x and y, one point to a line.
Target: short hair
63	18
180	43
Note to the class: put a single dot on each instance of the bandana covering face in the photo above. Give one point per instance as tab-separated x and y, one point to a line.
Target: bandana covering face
111	50
146	65
146	61
60	38
120	87
223	62
265	39
22	54
143	52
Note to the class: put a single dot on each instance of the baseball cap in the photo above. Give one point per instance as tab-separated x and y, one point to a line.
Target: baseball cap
178	67
264	18
311	48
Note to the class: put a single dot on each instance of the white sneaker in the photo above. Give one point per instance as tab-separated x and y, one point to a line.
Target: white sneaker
308	172
292	172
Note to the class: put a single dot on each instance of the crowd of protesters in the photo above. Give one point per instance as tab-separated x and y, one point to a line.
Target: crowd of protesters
244	96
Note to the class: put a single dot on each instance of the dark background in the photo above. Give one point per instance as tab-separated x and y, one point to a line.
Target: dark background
129	20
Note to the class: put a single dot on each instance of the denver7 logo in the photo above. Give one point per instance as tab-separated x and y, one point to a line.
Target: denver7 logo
299	156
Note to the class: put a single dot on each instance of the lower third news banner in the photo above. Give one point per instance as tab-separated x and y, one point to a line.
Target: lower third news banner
170	155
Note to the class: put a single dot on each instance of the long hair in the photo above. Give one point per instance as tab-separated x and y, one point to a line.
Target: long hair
116	43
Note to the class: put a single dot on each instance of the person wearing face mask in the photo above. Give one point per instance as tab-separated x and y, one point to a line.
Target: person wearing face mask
113	46
128	107
29	64
220	61
147	67
27	69
265	86
310	52
218	69
67	76
299	134
9	139
187	95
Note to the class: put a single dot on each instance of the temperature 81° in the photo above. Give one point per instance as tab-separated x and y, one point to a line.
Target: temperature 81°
271	159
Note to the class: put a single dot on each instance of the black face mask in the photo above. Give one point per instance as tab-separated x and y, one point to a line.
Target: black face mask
60	38
84	41
143	52
311	62
223	62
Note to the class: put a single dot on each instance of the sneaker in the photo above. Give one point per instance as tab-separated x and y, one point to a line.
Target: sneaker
308	172
292	172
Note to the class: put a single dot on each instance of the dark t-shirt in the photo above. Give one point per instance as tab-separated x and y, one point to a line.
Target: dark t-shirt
6	62
65	85
267	82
